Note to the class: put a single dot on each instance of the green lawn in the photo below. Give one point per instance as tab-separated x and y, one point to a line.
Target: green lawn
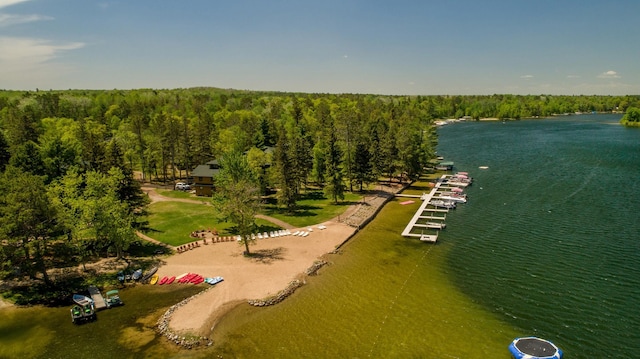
172	222
182	194
313	208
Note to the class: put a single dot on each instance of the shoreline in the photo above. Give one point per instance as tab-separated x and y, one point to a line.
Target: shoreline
276	264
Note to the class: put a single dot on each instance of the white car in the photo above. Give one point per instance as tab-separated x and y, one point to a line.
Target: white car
182	186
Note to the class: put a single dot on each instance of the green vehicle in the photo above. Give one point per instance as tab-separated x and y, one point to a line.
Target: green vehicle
113	298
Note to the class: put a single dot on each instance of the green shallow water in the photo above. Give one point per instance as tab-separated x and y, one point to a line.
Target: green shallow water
382	296
122	332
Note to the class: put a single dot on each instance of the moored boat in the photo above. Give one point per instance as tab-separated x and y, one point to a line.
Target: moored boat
76	314
442	204
87	309
452	198
154	279
534	348
163	280
113	298
170	280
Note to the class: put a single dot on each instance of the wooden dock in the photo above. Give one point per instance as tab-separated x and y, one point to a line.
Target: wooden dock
426	197
98	299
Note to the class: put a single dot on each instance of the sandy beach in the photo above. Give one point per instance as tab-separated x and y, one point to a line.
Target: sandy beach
276	262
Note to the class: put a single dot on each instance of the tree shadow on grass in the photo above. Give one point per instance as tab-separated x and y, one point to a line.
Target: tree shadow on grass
267	256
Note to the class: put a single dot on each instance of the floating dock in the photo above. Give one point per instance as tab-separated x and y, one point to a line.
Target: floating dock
98	299
420	214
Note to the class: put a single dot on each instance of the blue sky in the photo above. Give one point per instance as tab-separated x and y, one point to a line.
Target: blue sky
403	47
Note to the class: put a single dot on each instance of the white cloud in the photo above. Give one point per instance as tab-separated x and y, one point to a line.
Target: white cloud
609	75
31	62
15	50
5	3
12	19
9	19
573	76
526	76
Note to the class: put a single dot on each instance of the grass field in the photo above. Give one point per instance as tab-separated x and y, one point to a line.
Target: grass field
182	194
313	208
172	222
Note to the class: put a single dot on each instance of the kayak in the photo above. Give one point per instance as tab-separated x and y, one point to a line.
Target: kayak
197	279
154	279
186	278
170	280
214	280
163	280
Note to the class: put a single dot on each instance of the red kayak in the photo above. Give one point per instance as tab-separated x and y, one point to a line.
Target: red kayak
163	280
187	278
170	280
197	279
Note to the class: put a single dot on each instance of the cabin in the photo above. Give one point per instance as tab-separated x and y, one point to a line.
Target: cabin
203	177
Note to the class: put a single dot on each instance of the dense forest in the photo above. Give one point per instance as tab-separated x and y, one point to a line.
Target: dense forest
71	161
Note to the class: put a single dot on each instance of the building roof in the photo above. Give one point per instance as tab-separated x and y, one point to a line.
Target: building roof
205	171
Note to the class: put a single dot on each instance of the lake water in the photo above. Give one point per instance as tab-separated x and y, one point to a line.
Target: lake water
547	246
550	240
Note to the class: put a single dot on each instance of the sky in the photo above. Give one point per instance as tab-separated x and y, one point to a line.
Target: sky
400	47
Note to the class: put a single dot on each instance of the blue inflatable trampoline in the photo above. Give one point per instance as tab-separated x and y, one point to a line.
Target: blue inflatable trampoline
534	348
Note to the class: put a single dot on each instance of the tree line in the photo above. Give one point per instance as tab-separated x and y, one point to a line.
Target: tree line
68	158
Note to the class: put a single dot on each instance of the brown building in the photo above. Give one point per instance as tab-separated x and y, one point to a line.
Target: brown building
203	176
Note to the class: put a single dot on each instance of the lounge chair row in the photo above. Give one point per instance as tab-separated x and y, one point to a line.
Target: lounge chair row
283	232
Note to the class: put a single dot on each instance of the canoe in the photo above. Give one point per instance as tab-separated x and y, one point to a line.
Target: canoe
154	279
150	273
170	280
163	280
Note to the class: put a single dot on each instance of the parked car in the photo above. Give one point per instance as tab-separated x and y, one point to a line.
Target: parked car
182	186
